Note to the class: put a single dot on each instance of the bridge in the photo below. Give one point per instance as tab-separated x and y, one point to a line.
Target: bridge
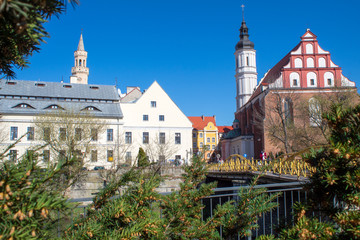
238	168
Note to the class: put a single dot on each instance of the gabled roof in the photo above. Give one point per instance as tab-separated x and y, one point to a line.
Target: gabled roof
199	123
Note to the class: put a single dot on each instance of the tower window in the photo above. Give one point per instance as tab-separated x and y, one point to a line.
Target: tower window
80	62
329	81
84	64
247	61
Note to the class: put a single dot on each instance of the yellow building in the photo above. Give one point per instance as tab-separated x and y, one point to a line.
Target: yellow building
205	136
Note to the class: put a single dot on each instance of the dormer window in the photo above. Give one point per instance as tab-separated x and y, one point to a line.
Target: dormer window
91	108
23	105
54	106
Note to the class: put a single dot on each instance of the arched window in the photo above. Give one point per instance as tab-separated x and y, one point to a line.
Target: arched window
76	63
322	62
314	112
298	63
80	62
310	62
84	64
309	48
288	111
311	79
329	79
294	79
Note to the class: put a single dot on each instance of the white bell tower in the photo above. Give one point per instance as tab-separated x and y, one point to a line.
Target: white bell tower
245	59
80	72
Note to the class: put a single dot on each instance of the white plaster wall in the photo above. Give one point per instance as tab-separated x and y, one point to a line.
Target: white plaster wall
175	121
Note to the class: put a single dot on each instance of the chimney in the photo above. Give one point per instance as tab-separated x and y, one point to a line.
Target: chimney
202	116
214	116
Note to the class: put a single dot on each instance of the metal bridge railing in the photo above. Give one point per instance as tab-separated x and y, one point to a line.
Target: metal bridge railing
237	163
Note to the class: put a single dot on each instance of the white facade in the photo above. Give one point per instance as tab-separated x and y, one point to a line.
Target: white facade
156	124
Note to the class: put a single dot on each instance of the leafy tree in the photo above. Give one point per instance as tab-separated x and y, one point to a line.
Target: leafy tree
142	158
22	30
29	210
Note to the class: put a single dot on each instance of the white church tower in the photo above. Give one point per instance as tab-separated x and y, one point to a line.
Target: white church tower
245	58
80	72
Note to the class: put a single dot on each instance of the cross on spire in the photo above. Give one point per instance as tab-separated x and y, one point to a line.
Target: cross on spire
242	6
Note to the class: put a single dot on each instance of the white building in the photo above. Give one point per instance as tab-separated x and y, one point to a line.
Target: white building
150	120
155	123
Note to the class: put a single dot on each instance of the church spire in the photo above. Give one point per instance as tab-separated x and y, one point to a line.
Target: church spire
80	72
244	34
81	44
245	60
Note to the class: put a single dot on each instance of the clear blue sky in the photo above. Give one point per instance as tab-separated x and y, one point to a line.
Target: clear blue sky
188	45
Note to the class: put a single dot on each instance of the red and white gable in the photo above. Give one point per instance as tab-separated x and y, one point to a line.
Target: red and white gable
307	66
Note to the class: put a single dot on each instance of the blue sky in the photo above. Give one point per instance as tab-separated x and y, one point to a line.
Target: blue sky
188	45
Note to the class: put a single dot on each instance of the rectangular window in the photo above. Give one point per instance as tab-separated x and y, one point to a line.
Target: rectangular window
194	145
46	156
145	117
295	82
177	138
208	139
162	138
110	155
329	81
162	158
200	135
194	135
247	61
13	133
46	134
213	147
13	155
213	139
201	144
110	135
78	132
78	154
62	134
312	82
145	137
30	133
128	157
93	156
128	138
94	134
161	118
153	104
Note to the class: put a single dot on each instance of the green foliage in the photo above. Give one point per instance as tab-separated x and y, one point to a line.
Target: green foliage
253	202
142	158
22	30
28	209
307	228
142	213
335	186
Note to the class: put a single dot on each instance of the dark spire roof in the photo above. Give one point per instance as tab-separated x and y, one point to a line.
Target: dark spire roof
244	38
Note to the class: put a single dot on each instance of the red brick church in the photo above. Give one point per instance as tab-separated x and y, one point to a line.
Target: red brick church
287	101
